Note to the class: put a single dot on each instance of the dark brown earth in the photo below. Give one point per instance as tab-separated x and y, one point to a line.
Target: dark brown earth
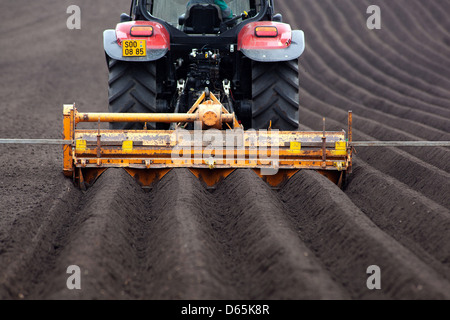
243	240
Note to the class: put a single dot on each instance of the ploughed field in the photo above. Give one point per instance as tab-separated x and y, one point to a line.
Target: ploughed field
243	240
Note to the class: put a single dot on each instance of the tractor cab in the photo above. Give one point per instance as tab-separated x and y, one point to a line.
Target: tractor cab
199	18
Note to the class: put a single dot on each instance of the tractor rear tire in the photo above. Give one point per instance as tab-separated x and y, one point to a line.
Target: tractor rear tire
275	88
132	89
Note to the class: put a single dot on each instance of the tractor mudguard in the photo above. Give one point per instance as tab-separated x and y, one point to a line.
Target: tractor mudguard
158	44
283	44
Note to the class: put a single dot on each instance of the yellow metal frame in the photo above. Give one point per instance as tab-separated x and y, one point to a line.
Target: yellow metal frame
147	155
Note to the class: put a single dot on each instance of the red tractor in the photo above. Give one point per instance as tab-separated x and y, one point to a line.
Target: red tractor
165	53
177	66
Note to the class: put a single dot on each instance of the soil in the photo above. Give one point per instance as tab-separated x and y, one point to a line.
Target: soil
242	240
